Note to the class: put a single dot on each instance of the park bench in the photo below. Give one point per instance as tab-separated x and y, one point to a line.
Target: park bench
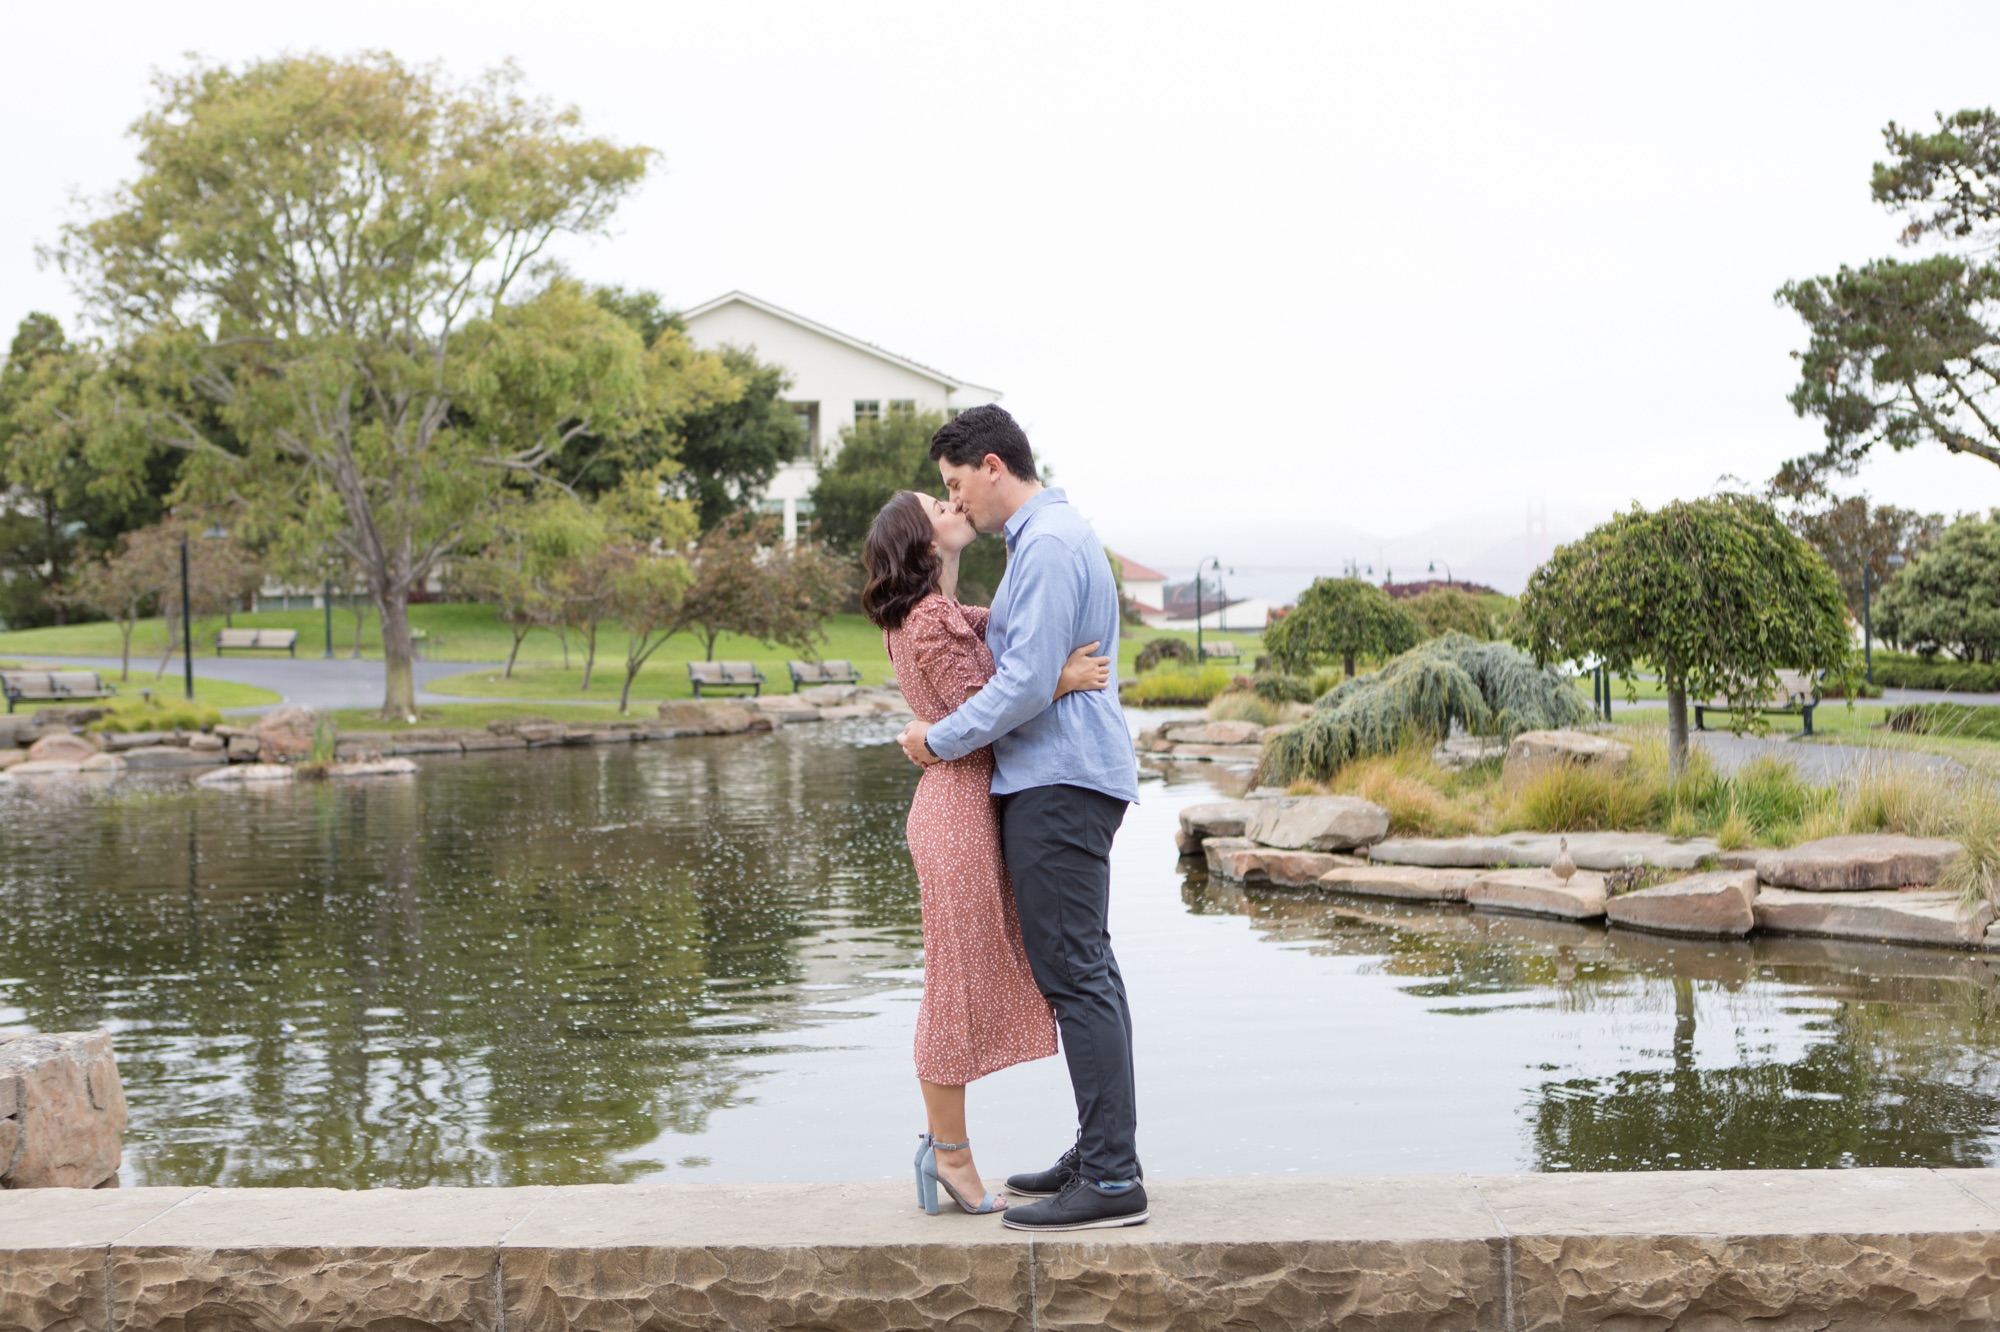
1225	650
52	686
726	675
257	640
822	672
1798	693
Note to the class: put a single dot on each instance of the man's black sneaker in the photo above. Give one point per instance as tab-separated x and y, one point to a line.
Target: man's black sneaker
1082	1205
1045	1183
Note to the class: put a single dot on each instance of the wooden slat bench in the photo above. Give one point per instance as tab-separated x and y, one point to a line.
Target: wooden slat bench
726	675
1798	693
52	686
822	672
257	640
1225	650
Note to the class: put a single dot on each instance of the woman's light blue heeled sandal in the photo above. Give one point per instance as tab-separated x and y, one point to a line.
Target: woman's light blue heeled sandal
924	1141
928	1180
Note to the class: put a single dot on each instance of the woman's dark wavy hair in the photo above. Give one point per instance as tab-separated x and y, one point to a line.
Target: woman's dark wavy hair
902	565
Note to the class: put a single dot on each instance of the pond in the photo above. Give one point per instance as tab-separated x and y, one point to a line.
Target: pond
700	959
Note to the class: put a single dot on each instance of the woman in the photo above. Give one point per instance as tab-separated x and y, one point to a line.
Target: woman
981	1011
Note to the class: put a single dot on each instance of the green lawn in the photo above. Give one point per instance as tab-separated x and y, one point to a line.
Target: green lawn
478	714
1835	723
169	689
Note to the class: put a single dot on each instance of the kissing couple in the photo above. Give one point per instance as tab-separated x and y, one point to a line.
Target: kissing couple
1028	769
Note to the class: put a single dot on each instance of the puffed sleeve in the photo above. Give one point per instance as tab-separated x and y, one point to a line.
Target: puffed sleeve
946	649
976	616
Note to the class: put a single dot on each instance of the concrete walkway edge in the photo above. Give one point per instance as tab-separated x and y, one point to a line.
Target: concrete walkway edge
1839	1248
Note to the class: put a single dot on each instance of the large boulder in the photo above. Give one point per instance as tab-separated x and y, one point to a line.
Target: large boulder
239	773
1534	752
1538	892
61	747
1861	863
692	717
378	767
285	735
1240	860
62	1111
1407	883
1708	906
1591	851
171	756
1930	916
9	757
45	768
1214	733
1216	818
1317	823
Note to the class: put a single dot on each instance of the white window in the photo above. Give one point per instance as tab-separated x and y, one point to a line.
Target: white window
902	406
867	409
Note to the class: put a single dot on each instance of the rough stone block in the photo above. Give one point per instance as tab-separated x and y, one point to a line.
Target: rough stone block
118	741
1317	823
1706	906
1241	860
286	734
1214	733
1216	818
9	757
61	747
1219	753
1408	883
1856	864
46	768
705	718
389	767
63	1094
170	756
1539	893
423	741
1591	851
240	773
471	741
1533	752
245	748
1153	740
1925	916
207	744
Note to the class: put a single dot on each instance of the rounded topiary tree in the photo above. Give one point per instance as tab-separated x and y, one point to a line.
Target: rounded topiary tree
1448	610
1160	651
1716	594
1339	619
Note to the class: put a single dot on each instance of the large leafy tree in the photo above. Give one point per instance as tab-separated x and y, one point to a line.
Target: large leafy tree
346	261
1716	594
1339	619
876	459
1950	597
58	506
1859	540
1902	351
746	581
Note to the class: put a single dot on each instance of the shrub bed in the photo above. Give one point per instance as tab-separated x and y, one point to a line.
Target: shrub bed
1903	670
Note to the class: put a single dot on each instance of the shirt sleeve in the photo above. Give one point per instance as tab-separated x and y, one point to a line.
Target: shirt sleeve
1046	589
976	616
946	648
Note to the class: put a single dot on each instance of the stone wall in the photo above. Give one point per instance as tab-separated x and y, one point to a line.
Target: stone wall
1873	1249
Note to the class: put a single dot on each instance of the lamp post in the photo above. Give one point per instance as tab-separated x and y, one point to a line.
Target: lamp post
1201	653
1447	570
1894	561
213	533
326	604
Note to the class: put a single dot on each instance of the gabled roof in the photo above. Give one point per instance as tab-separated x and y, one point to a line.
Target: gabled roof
812	326
1134	569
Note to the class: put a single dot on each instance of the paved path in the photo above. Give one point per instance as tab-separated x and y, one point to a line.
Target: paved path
1817	763
314	681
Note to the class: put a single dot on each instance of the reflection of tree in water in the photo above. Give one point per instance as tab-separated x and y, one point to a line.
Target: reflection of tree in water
515	969
1898	1058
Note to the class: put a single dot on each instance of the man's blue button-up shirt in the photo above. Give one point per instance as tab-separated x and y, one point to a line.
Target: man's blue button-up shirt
1056	595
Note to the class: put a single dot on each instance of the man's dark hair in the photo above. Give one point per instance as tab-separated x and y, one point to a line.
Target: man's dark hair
967	438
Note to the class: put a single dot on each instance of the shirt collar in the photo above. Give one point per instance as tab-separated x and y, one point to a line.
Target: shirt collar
1045	496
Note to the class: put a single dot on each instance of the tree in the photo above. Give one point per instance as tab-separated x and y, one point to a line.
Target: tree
57	506
1447	610
1902	351
515	573
747	582
1716	594
877	458
649	596
1340	619
144	574
1852	535
1950	597
345	261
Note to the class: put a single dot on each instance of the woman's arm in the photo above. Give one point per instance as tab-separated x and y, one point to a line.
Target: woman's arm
1083	671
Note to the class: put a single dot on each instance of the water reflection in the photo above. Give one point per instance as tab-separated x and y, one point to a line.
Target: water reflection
1783	1053
512	970
701	957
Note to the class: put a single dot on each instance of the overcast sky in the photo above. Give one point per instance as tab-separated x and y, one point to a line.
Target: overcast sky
1284	284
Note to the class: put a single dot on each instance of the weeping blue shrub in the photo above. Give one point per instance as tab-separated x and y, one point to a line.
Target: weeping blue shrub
1419	697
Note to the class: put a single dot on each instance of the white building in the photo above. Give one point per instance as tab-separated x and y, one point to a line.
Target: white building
836	379
1248	616
1145	588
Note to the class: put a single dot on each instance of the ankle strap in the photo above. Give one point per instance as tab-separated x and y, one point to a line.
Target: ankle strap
950	1146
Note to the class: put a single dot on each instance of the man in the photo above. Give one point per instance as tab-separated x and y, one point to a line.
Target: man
1063	775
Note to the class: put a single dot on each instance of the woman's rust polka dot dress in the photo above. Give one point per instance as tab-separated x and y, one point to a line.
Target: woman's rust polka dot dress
981	1011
